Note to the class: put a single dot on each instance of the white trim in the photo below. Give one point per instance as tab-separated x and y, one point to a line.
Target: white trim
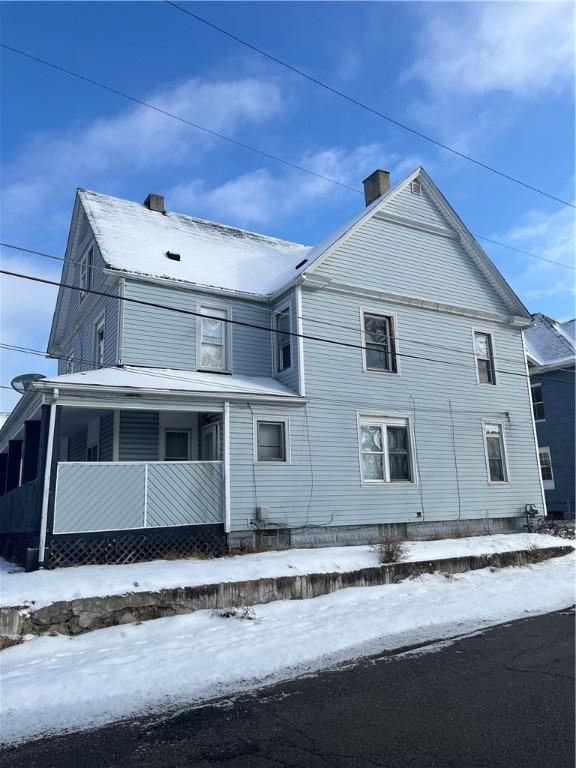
300	341
380	419
534	433
226	458
227	331
213	426
120	332
500	423
490	335
287	441
46	487
549	485
132	463
380	312
533	385
285	308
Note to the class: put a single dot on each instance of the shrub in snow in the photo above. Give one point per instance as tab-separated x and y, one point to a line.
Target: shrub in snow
390	550
560	528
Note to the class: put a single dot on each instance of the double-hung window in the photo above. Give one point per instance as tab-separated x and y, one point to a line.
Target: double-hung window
495	453
214	339
271	441
283	340
379	344
546	469
86	269
386	451
99	344
484	351
537	402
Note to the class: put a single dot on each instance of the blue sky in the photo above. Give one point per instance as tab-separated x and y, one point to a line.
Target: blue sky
494	80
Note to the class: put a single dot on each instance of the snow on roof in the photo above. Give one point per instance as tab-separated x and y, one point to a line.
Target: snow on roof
168	379
550	343
135	239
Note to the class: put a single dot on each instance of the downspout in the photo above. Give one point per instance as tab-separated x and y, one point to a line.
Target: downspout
300	332
545	510
46	487
227	508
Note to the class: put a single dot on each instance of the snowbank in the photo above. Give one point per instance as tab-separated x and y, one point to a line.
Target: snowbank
53	684
44	587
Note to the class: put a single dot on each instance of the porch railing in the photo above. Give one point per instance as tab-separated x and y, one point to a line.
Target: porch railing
108	496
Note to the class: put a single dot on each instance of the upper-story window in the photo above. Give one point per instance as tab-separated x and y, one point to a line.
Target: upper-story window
99	344
86	269
283	340
484	351
379	345
537	402
214	334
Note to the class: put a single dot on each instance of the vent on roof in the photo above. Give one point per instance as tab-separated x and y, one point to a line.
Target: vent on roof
415	187
301	264
173	256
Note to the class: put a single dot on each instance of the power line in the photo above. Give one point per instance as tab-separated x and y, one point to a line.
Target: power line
307	318
166	113
242	323
526	253
366	107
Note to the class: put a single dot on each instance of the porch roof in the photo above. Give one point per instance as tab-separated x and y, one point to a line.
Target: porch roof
168	380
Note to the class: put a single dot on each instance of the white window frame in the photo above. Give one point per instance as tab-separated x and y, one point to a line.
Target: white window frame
182	430
532	403
213	309
287	451
287	310
391	316
214	426
500	424
549	485
99	326
85	275
382	420
476	358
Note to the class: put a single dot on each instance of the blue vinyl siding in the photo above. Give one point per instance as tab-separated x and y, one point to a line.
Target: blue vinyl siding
139	436
77	443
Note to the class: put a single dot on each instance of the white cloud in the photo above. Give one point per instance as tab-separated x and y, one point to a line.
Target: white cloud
474	48
263	197
41	181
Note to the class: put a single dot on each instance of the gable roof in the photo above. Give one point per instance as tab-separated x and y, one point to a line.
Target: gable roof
550	344
134	239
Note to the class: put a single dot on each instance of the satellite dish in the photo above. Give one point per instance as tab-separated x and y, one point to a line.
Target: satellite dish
23	382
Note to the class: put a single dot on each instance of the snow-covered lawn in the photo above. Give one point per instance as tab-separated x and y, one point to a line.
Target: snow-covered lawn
44	587
51	684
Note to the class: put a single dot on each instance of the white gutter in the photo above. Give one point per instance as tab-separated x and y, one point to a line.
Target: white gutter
534	433
46	487
227	500
300	340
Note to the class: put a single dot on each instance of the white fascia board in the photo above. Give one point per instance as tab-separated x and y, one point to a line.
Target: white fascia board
414	301
555	366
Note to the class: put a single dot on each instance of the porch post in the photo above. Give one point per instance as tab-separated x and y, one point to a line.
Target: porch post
13	471
226	467
30	454
49	414
3	471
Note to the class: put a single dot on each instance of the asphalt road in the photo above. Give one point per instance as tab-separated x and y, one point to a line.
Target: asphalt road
502	698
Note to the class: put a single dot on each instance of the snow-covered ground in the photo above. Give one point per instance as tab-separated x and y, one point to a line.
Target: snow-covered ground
44	587
52	684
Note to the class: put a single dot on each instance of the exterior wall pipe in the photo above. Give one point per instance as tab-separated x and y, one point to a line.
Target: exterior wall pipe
300	330
46	488
227	500
544	509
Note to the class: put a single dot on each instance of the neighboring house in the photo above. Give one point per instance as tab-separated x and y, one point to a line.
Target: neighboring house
551	353
222	388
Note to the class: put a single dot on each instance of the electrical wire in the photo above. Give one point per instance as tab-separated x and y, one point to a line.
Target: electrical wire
366	107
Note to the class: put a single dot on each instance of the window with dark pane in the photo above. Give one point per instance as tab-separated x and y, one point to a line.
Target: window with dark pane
379	352
398	453
372	452
484	358
546	464
537	402
92	453
283	340
177	446
271	441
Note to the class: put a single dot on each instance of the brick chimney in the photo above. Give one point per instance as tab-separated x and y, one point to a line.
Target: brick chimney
155	203
376	185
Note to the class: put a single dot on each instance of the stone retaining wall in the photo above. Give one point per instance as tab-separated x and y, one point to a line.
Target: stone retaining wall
74	617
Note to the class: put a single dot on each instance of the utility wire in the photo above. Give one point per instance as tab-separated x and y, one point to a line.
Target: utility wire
366	107
272	311
242	323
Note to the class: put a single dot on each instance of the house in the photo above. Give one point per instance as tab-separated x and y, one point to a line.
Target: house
551	354
219	388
